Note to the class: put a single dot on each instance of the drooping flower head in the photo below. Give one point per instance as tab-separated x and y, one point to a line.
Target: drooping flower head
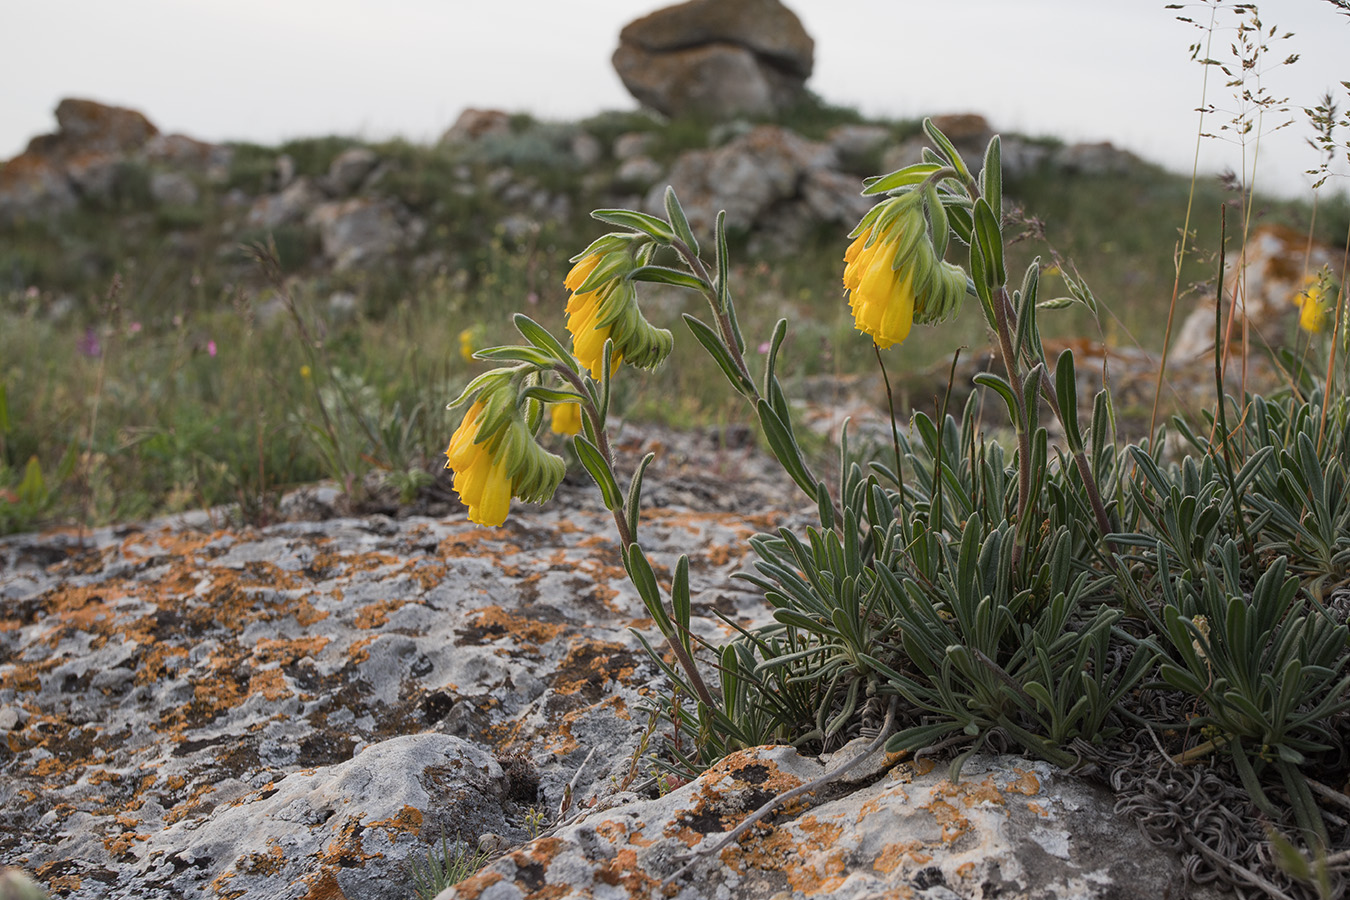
493	452
893	274
603	306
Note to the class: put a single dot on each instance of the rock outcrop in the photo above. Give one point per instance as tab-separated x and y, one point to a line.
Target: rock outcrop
80	160
719	58
299	711
770	179
281	712
1009	827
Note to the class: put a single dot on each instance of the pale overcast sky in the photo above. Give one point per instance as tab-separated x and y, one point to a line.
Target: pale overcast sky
266	70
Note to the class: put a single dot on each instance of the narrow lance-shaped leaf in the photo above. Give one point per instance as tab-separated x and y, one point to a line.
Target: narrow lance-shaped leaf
713	344
678	221
991	244
915	174
644	579
518	353
598	467
784	448
632	505
991	176
681	602
1000	385
542	338
627	218
723	263
947	150
1066	389
664	275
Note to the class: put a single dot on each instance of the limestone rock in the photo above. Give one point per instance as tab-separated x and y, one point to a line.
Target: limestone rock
185	153
33	187
362	230
347	828
476	124
349	169
856	146
1099	158
1009	828
80	158
188	703
633	144
173	189
91	127
292	204
716	57
768	177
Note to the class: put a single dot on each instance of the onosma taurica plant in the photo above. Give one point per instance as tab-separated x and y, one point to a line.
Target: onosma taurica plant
1075	600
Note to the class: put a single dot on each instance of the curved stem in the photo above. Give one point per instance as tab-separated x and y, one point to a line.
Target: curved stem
729	340
626	537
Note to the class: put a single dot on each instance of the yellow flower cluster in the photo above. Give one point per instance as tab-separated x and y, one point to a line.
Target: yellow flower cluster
603	307
494	455
893	275
1316	303
880	297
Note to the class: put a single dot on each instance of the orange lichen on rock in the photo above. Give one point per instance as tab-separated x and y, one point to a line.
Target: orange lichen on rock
473	887
271	683
807	853
373	615
949	819
494	621
286	651
323	886
358	653
407	820
624	869
893	855
1027	783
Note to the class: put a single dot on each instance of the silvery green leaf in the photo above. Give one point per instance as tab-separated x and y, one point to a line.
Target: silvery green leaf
678	221
627	218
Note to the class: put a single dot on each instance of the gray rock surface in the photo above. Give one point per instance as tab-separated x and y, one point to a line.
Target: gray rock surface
163	684
362	230
769	177
716	57
1009	828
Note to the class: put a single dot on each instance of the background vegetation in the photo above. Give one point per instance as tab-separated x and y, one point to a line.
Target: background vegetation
149	363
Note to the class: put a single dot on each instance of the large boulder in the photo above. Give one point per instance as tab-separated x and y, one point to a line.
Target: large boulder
716	57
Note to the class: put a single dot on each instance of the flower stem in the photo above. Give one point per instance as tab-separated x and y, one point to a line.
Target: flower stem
626	537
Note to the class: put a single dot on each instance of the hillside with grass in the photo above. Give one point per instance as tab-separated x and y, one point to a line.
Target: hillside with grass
193	325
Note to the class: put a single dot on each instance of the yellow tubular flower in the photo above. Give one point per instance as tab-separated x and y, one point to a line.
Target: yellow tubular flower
880	297
588	341
483	483
1314	306
893	275
565	418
